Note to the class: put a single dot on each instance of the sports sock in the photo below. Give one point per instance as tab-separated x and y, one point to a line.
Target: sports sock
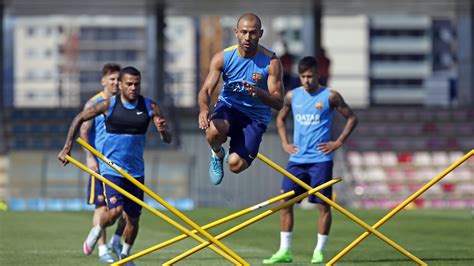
321	242
219	154
115	239
126	249
102	250
285	240
95	232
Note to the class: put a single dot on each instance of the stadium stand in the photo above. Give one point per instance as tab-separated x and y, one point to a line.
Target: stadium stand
391	154
45	129
395	151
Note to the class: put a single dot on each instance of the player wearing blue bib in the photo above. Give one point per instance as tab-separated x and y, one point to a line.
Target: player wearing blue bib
93	132
126	119
252	77
311	158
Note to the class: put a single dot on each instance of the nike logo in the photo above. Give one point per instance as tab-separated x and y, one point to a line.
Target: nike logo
251	157
246	104
139	113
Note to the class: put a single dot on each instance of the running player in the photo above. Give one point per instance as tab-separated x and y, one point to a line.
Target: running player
127	117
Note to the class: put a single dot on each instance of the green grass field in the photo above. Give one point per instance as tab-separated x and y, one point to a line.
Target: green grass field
439	237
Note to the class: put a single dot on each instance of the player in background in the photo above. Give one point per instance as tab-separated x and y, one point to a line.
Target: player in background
311	153
93	132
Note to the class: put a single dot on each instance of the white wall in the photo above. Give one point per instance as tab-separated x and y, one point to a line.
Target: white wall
345	39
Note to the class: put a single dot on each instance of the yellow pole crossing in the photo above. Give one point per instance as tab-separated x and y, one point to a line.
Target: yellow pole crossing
207	226
253	220
341	209
144	205
401	206
163	202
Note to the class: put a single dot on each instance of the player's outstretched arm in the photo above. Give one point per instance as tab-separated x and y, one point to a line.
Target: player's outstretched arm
281	125
160	123
210	84
274	96
337	102
97	109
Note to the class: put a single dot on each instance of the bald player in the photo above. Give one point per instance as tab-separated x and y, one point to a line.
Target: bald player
253	85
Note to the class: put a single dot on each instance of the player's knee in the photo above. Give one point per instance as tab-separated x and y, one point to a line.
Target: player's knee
235	169
324	209
236	164
116	212
213	134
134	223
217	131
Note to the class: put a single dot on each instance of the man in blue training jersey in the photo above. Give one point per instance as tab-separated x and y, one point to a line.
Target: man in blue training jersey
311	158
252	77
93	132
127	117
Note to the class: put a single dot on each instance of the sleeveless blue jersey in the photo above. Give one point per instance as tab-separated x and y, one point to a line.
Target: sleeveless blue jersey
312	118
126	150
252	70
97	134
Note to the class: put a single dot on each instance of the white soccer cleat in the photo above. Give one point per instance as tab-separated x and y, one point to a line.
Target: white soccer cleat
91	240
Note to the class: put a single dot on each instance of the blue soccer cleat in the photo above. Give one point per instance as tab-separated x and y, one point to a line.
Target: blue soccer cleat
216	169
130	263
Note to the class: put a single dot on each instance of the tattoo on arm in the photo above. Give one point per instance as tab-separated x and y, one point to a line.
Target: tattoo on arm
86	128
155	110
86	125
160	123
85	115
338	103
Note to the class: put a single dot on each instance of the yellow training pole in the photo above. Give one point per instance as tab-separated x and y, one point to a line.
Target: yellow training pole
205	227
401	206
146	206
162	201
342	210
253	220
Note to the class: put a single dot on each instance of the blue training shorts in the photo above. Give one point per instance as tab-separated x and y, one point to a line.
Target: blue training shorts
95	192
115	199
245	134
313	174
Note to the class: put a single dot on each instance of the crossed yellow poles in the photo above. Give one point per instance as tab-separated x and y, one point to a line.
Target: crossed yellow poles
401	206
225	252
213	242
